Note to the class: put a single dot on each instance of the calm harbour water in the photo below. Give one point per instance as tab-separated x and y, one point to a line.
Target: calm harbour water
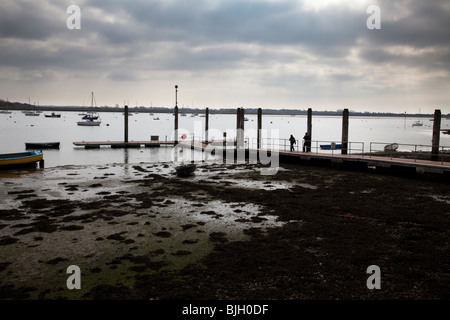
17	128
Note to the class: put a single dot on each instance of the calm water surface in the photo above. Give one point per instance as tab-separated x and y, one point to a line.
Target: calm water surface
17	128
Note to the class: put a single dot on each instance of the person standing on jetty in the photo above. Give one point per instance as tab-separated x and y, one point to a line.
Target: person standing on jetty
292	141
307	143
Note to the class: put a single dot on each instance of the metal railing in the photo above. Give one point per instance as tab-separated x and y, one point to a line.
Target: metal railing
332	147
273	144
315	146
391	150
409	151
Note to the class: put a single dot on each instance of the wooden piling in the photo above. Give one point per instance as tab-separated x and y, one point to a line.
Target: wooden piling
242	120
176	125
125	138
238	119
436	135
238	127
309	123
224	140
258	142
308	130
206	125
345	116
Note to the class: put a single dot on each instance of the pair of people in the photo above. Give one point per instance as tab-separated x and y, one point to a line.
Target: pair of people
306	143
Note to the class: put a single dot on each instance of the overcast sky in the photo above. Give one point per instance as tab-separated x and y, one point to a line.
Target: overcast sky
228	53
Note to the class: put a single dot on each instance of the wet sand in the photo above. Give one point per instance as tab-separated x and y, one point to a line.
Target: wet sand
139	232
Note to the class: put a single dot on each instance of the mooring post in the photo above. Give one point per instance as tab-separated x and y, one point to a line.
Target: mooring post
224	150
176	124
345	116
242	118
238	112
206	125
125	138
258	142
436	135
309	123
238	126
309	128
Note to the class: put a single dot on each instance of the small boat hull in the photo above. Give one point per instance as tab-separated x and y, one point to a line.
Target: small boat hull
53	115
391	147
19	160
331	146
185	170
42	145
89	123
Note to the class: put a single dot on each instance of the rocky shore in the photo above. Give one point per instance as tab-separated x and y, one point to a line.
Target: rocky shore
140	232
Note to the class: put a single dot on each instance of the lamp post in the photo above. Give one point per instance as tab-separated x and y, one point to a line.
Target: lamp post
176	92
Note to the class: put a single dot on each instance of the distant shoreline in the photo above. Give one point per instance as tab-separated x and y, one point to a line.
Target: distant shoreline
291	112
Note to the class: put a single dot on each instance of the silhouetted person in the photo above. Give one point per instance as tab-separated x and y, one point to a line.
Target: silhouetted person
307	143
292	141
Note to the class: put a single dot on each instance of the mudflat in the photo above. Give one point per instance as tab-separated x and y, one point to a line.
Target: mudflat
226	232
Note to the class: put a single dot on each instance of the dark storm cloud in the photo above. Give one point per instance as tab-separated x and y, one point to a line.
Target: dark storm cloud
420	23
274	44
329	32
424	27
26	20
424	23
141	26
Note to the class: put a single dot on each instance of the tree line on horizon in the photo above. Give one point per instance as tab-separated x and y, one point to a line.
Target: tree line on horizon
26	106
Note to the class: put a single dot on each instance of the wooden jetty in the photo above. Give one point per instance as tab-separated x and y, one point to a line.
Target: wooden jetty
362	162
369	162
402	166
375	162
122	144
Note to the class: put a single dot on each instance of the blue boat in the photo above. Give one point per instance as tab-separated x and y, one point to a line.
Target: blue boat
333	146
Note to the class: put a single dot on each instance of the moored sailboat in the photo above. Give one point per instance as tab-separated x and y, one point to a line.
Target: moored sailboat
90	119
418	123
